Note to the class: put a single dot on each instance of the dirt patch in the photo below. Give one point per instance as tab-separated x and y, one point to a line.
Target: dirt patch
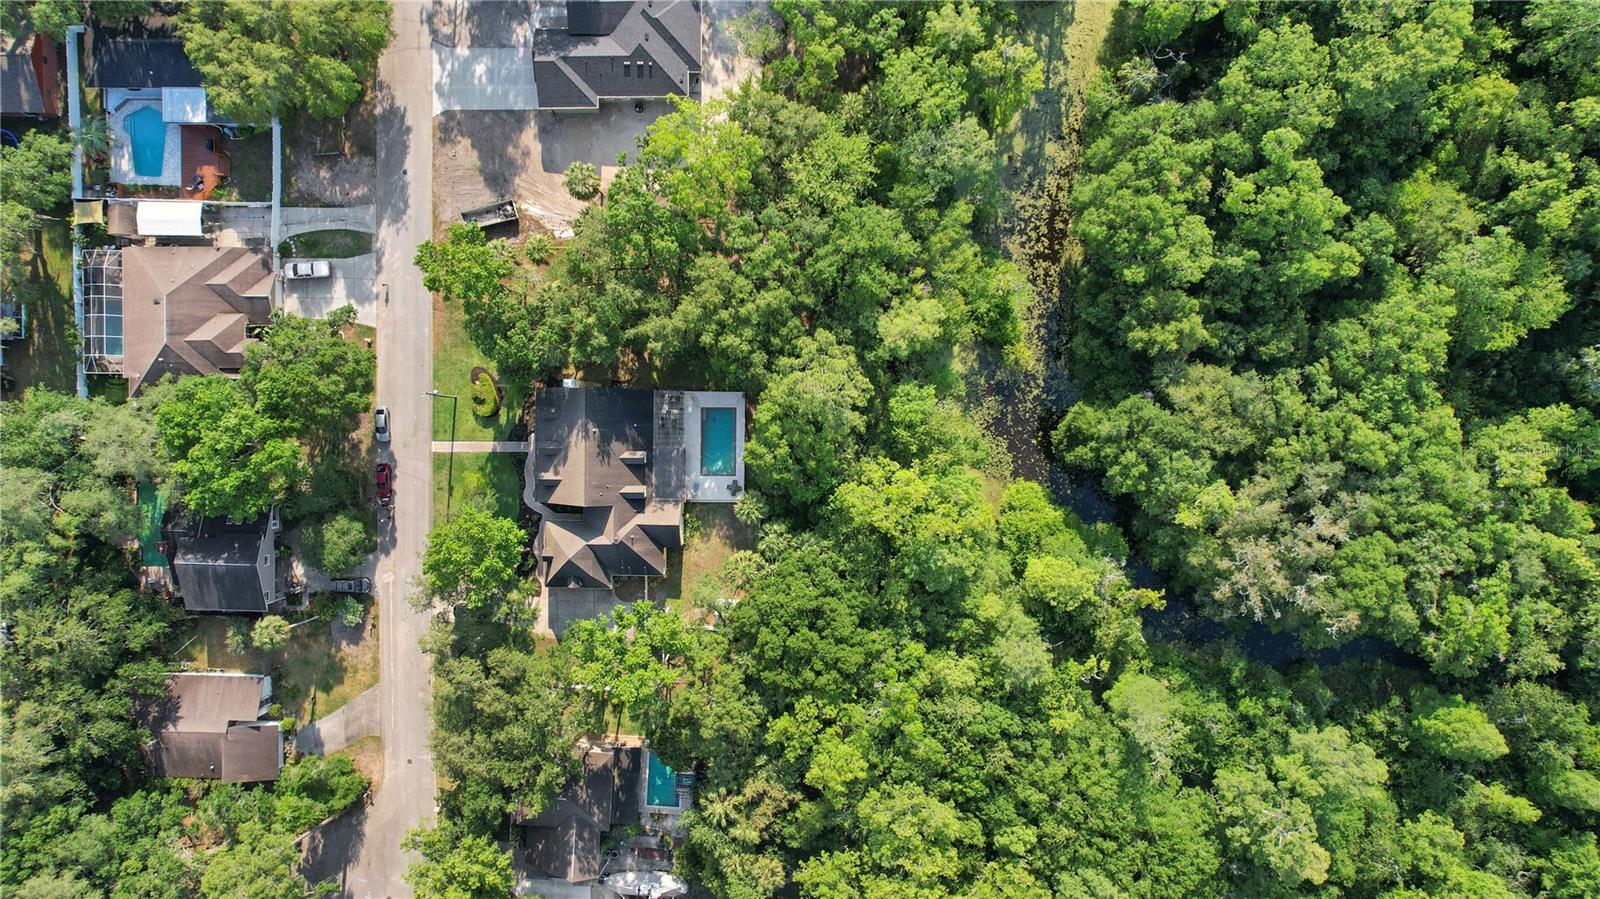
483	156
367	754
332	162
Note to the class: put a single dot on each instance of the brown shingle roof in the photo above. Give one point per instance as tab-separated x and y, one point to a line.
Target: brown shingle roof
185	310
208	727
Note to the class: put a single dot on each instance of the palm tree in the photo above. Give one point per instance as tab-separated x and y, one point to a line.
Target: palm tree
94	136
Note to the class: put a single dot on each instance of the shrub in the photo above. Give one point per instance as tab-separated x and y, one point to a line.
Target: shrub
485	398
539	248
270	633
350	611
582	180
340	542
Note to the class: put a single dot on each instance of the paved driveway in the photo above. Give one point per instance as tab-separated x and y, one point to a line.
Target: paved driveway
353	281
483	78
300	219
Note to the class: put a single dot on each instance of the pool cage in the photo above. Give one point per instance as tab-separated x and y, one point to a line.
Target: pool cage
102	310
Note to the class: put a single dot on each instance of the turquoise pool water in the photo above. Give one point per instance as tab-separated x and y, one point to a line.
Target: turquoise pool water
661	787
716	441
147	136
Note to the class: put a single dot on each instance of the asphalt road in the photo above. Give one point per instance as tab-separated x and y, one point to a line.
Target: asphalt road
405	371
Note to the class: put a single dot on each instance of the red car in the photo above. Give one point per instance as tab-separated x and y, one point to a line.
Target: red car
385	484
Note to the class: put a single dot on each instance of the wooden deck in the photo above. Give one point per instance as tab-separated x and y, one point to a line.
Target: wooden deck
205	164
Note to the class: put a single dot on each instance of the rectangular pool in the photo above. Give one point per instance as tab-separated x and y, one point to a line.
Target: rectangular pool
147	135
717	447
661	784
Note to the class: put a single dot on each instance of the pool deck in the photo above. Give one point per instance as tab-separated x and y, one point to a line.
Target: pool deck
707	488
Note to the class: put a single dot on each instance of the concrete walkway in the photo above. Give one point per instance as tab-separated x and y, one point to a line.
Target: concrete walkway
348	723
482	446
300	219
233	225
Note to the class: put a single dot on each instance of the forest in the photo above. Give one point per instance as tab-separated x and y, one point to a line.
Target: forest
1321	280
1326	297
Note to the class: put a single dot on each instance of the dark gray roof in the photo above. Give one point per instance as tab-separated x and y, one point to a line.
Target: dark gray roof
20	93
590	479
208	727
617	48
139	53
564	839
222	566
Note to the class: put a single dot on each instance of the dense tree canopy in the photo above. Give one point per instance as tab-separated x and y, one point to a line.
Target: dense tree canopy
265	58
1329	313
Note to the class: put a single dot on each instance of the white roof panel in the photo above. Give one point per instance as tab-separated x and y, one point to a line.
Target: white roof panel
169	218
183	105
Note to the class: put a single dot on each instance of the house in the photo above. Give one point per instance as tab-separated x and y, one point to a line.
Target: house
209	725
159	120
138	54
224	566
30	75
587	51
563	841
609	472
151	311
618	789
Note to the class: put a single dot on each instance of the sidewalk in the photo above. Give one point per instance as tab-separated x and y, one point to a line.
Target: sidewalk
482	446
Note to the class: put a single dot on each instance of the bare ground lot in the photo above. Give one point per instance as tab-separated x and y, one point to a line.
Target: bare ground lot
333	162
483	156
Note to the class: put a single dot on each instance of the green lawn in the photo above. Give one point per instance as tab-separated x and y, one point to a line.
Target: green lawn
331	244
493	480
453	359
48	356
250	174
324	665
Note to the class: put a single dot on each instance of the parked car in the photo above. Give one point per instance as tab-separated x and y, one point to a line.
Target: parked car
350	585
380	423
301	269
385	484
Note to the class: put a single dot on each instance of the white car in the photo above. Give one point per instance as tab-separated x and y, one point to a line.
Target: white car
301	269
380	423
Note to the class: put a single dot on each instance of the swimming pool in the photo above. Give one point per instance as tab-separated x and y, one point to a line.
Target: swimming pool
716	441
661	785
147	137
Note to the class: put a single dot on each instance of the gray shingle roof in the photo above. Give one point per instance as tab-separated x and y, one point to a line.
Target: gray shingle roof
138	53
618	49
564	839
590	479
224	567
20	93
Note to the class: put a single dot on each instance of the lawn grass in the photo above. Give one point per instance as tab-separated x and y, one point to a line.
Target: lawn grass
714	537
367	754
48	356
453	359
324	665
250	175
491	480
335	243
